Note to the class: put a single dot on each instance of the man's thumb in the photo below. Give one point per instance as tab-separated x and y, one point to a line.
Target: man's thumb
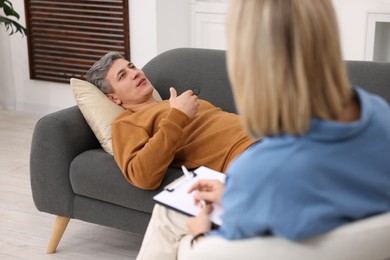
173	92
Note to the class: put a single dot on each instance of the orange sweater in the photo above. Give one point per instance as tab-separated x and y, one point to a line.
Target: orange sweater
146	142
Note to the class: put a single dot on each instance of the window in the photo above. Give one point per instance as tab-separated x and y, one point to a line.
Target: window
66	37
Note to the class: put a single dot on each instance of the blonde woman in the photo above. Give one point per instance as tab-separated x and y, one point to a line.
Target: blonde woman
310	174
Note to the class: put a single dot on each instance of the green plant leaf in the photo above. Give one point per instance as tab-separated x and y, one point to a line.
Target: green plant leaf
12	26
9	10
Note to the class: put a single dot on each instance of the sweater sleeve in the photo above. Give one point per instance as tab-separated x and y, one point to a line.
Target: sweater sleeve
142	158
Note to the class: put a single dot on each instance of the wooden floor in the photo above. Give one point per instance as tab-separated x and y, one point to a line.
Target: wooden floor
24	231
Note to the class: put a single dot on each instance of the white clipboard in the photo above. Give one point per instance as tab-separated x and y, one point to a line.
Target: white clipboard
176	196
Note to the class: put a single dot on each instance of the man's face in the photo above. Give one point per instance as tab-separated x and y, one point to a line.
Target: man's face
131	87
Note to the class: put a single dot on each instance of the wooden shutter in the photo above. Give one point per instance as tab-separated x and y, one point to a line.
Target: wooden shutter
66	37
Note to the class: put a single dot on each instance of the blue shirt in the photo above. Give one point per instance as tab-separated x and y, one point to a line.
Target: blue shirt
301	186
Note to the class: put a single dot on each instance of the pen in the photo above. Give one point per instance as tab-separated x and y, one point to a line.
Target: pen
191	179
186	173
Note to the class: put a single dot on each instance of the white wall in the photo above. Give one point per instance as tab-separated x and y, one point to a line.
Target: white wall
143	31
173	23
352	15
30	95
8	96
155	26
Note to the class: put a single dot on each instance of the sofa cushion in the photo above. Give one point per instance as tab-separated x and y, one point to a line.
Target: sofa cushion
98	110
95	174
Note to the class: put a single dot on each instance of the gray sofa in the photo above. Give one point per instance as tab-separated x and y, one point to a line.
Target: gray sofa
72	176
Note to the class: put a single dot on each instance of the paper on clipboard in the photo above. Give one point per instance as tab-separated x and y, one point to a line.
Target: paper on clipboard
176	196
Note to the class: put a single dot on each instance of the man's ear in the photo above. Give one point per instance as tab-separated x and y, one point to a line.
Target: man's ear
114	99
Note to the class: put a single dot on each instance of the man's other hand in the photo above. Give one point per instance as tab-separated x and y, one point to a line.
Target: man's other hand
187	102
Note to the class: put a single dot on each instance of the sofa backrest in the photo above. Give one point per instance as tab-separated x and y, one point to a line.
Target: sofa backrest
372	76
204	71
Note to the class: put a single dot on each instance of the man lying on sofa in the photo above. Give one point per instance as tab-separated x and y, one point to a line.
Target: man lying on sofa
151	135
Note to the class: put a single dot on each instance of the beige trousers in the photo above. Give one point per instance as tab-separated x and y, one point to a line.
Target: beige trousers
167	236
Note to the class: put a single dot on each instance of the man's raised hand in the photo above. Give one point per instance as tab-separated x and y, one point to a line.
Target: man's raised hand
187	102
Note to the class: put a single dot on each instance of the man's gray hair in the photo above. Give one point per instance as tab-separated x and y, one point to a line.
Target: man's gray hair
97	73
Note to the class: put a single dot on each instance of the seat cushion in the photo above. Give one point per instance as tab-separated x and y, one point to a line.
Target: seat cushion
95	174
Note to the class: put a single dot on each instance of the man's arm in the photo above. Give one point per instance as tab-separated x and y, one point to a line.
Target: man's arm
145	159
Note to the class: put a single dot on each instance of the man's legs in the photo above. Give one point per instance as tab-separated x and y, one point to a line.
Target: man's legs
163	235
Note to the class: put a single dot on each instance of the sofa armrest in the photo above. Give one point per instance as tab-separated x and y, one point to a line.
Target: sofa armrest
360	240
57	139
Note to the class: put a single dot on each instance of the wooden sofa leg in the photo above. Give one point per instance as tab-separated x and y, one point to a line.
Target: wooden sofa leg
59	228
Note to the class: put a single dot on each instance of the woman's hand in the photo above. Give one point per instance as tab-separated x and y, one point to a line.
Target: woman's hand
209	191
200	223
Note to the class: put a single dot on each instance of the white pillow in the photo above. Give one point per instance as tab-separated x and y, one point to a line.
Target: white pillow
98	110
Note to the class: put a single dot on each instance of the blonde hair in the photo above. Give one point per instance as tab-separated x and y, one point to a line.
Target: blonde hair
285	64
